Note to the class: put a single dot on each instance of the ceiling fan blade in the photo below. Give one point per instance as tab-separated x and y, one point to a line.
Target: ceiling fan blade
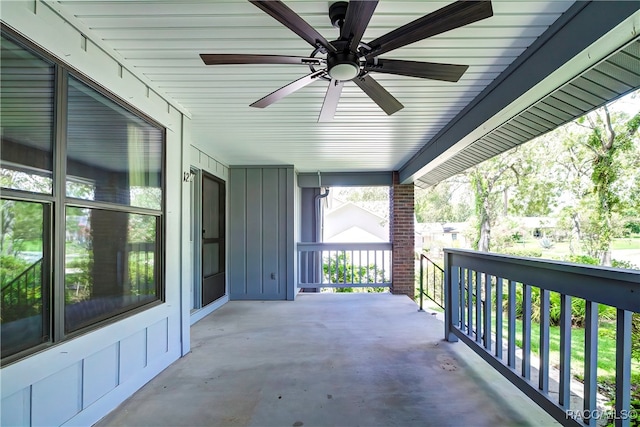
288	89
229	59
380	96
358	15
423	70
447	18
294	22
331	101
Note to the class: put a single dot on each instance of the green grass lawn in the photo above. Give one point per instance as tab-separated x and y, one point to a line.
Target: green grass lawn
606	347
561	250
606	359
626	243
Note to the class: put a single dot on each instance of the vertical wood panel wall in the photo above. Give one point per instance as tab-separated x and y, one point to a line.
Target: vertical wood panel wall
261	233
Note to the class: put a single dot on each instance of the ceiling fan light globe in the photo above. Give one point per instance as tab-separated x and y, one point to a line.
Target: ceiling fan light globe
344	72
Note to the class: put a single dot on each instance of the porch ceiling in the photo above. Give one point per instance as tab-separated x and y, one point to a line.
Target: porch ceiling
161	40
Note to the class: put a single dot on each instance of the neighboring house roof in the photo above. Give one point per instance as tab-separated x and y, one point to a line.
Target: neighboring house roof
354	223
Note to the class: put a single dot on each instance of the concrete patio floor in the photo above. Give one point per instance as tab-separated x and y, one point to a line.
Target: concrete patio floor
327	360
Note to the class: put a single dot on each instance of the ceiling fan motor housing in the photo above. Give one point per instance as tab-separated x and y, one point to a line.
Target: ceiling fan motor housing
343	65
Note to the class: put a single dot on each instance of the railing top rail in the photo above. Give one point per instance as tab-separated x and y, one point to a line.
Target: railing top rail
621	287
349	246
422	255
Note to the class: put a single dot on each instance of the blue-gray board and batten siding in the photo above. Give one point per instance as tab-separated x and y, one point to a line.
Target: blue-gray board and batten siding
261	233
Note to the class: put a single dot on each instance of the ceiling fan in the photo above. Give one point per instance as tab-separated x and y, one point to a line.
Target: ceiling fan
349	59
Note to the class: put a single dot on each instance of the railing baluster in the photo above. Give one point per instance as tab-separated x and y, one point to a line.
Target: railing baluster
368	278
29	289
590	358
487	312
469	302
20	303
564	398
328	265
543	373
306	267
451	300
356	269
438	289
435	292
344	266
526	331
478	307
430	273
431	293
421	281
463	321
499	309
511	325
145	254
435	289
623	367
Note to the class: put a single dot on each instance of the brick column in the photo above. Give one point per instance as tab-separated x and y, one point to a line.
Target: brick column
401	235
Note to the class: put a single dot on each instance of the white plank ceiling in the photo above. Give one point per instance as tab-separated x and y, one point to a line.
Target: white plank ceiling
162	40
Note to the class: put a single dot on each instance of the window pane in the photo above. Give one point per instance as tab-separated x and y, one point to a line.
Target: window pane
111	264
211	209
211	259
112	155
26	93
23	294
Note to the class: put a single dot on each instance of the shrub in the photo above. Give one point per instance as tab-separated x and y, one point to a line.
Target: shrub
528	253
583	259
578	309
609	384
624	264
10	268
632	226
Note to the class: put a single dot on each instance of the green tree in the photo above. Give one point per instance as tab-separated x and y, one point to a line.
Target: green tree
444	202
489	181
535	189
21	223
609	138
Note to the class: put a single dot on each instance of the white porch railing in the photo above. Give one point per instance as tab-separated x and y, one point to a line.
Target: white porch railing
339	265
499	279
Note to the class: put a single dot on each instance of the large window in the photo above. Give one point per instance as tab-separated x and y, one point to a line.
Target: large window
81	210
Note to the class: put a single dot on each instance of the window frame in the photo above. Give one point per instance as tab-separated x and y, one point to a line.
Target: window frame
54	251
